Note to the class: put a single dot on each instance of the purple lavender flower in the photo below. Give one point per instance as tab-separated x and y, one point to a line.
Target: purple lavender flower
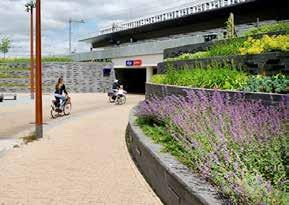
220	129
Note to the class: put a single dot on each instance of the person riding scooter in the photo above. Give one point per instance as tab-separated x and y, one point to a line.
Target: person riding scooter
115	88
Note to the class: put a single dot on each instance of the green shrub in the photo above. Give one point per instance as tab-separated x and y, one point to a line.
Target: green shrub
265	44
214	76
226	48
271	84
4	69
225	77
7	75
26	60
3	75
241	46
269	28
12	85
159	79
188	56
30	138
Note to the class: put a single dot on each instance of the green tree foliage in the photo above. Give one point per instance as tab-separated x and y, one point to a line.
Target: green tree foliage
5	45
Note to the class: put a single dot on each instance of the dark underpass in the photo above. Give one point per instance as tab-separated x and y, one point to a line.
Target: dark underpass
133	79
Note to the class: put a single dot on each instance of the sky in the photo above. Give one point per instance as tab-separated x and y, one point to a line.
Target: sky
15	21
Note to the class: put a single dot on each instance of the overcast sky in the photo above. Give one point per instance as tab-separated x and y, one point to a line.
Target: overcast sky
14	20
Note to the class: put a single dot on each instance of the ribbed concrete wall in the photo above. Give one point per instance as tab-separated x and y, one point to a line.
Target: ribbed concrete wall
79	77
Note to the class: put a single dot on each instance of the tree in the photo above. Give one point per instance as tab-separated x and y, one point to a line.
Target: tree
5	45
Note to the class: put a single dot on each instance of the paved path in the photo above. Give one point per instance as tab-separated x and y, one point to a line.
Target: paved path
82	160
18	115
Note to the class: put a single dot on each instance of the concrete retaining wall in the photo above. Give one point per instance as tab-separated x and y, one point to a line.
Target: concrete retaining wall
269	63
161	91
78	77
173	182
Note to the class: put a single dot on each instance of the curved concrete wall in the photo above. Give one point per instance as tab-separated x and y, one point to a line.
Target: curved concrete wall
161	91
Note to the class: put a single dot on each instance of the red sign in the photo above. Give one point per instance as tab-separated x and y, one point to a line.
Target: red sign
137	62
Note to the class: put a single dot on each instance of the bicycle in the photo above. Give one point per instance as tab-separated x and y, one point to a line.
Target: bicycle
61	110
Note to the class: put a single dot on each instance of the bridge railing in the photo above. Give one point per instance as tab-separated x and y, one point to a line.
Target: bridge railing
189	9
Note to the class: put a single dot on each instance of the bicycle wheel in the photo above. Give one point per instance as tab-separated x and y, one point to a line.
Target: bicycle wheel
67	109
123	100
111	100
118	100
53	113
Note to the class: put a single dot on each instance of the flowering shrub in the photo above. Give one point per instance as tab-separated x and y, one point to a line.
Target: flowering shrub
265	44
242	148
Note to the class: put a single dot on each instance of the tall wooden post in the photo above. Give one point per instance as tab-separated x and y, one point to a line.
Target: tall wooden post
38	100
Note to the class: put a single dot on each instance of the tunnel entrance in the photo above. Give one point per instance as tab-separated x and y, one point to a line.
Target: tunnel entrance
133	79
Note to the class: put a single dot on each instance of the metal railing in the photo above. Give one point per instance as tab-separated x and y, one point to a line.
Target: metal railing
189	9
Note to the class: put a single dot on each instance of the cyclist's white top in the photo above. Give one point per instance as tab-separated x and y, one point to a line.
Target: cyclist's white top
120	92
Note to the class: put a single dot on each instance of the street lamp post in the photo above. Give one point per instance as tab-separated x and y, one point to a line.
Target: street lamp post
29	8
70	28
38	100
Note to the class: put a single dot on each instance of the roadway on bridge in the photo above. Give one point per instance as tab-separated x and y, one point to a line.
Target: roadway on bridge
83	159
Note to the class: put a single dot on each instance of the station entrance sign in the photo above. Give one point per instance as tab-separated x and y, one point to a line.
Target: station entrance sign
130	63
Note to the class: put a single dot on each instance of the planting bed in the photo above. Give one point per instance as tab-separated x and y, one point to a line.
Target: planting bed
224	113
239	146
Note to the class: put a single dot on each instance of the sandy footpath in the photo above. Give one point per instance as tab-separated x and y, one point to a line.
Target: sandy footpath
82	160
17	116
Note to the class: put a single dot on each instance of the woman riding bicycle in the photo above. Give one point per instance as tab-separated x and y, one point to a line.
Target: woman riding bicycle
59	90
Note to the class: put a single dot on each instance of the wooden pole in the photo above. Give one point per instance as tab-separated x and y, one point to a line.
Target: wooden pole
38	102
32	54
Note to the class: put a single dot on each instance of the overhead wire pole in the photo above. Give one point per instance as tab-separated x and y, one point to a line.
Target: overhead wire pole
32	54
38	100
29	8
70	21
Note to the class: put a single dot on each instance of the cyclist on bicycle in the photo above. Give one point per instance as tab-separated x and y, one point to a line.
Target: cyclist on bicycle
59	90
